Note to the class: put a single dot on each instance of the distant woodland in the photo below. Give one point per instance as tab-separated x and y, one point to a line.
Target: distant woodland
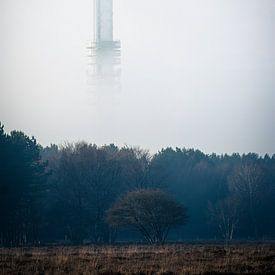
61	194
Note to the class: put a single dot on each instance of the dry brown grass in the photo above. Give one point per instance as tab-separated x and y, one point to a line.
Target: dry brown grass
168	259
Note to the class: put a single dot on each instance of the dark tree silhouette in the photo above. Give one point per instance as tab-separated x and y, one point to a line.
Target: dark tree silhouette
87	180
21	187
152	212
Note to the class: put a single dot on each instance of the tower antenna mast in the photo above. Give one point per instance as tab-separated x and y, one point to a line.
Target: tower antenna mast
105	51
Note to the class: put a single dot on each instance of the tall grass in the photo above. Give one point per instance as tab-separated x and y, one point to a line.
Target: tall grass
168	259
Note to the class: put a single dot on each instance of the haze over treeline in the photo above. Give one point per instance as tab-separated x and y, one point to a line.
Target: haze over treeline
61	193
195	73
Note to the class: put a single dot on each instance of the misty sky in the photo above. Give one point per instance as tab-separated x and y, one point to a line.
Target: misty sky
196	73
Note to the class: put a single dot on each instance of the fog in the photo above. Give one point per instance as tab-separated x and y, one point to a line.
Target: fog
195	73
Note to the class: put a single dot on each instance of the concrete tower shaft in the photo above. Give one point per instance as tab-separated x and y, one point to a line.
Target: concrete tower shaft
104	50
103	24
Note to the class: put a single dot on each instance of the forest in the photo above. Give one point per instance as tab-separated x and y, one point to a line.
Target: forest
61	194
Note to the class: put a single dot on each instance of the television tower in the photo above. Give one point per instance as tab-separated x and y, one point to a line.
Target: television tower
104	50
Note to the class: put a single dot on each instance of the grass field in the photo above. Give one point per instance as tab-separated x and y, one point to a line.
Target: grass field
168	259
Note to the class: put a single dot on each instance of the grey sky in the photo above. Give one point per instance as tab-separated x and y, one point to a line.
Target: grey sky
197	73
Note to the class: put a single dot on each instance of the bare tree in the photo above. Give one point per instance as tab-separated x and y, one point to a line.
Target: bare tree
149	211
245	184
88	182
135	164
224	214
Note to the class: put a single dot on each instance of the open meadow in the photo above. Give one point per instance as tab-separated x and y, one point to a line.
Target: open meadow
139	259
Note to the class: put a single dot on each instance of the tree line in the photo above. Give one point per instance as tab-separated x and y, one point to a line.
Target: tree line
76	192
